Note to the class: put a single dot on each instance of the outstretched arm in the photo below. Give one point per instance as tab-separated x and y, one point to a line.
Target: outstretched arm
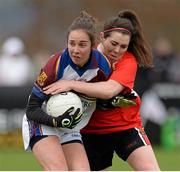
103	89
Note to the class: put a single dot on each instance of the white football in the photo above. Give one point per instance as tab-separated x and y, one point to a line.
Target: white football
59	103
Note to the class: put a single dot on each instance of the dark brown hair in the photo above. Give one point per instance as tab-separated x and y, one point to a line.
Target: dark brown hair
138	45
87	23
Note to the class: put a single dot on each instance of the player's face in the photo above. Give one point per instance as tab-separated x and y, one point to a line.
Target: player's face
115	45
79	47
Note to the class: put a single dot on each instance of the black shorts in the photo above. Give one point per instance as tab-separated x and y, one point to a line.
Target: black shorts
101	147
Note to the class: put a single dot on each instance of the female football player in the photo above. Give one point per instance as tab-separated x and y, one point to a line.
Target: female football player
55	144
117	130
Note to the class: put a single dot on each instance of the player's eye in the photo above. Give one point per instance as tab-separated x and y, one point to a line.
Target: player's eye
72	44
113	43
82	45
123	46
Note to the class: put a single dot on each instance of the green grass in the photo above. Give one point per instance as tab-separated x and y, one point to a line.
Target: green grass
12	159
169	160
17	160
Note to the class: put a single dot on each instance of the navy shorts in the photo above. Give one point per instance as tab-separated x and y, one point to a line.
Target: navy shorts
101	147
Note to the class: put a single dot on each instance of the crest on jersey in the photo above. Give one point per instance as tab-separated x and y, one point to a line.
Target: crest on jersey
41	78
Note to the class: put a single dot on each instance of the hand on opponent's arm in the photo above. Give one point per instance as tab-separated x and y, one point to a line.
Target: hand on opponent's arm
58	87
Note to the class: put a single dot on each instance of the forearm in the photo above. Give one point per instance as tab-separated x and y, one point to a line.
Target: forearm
103	90
35	113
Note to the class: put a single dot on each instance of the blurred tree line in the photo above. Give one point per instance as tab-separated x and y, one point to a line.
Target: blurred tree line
43	23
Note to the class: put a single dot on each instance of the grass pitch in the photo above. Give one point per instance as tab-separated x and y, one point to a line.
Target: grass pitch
168	160
16	159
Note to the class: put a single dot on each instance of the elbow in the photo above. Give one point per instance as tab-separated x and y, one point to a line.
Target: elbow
27	113
109	94
112	89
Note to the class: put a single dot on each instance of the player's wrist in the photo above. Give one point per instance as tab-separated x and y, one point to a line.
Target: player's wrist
72	85
55	124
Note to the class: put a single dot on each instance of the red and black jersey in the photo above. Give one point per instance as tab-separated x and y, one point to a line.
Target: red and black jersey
118	119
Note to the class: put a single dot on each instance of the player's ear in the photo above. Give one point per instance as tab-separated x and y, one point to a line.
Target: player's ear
101	36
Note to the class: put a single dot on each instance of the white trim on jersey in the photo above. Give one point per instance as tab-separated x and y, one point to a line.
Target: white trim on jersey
70	74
